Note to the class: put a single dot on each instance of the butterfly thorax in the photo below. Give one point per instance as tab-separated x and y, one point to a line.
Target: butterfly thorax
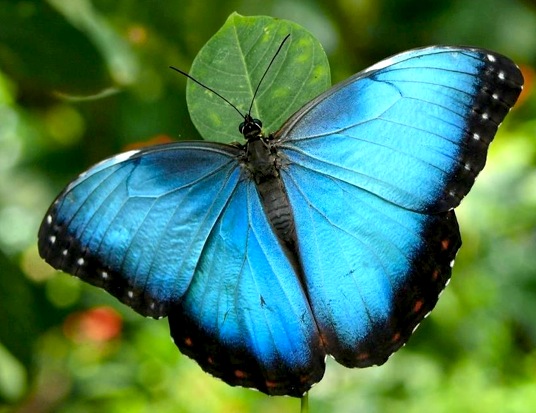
260	156
262	162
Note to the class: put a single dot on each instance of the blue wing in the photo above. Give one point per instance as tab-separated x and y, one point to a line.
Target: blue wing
372	270
245	317
413	129
372	168
179	230
136	224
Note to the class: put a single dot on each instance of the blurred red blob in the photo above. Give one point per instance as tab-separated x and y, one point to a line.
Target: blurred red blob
528	87
155	140
99	324
137	34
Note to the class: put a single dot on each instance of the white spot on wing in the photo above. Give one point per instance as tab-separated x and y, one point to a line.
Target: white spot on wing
64	252
476	136
104	275
52	239
501	75
130	294
49	219
80	261
491	58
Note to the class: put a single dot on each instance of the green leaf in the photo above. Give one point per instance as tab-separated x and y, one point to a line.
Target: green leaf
232	63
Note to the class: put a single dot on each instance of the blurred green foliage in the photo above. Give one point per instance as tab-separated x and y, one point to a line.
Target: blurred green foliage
83	79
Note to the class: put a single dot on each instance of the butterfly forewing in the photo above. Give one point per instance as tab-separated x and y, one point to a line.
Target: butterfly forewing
414	129
129	225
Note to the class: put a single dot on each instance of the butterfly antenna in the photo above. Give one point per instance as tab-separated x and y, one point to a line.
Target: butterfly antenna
227	100
266	71
208	88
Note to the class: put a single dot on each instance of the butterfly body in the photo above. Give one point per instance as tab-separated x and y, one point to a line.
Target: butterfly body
332	236
263	162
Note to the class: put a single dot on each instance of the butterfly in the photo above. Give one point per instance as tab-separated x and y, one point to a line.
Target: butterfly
332	236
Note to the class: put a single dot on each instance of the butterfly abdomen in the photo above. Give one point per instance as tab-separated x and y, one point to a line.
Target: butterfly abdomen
263	168
278	210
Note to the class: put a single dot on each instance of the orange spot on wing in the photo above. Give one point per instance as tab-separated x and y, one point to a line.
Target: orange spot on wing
188	341
271	384
417	306
323	340
363	356
445	244
304	379
435	274
241	374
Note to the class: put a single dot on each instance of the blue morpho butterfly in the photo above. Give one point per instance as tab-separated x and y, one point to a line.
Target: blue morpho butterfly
332	236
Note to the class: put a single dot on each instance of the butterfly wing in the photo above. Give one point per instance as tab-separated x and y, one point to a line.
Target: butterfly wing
179	230
245	317
413	129
136	224
372	168
373	270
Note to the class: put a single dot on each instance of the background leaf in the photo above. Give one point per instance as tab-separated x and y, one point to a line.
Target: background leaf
232	63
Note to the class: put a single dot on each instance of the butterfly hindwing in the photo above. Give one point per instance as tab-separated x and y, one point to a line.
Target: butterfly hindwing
245	316
130	225
373	270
